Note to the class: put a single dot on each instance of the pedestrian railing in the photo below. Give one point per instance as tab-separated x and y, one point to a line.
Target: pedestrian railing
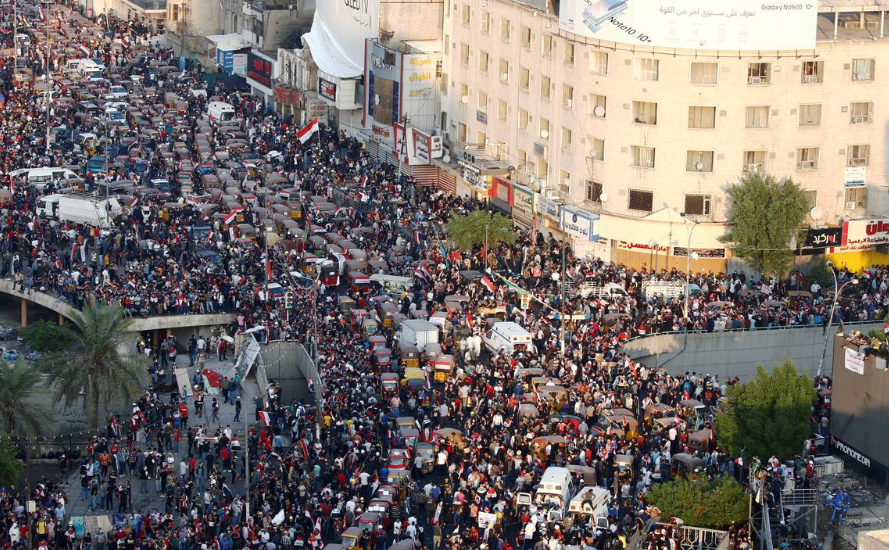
752	329
799	497
699	538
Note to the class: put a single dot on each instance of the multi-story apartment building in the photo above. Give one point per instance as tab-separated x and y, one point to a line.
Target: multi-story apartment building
627	136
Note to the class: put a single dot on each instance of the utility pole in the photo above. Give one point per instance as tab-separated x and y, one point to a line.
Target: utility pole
562	301
48	97
247	462
15	41
485	253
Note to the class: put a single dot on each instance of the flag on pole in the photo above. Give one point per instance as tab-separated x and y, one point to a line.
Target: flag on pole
42	15
266	418
268	269
363	181
489	284
469	318
305	134
134	201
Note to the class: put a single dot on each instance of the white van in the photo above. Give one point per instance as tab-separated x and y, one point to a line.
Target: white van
508	337
602	292
80	209
555	489
590	502
39	177
220	111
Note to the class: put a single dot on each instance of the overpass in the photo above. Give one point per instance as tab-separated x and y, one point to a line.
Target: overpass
66	311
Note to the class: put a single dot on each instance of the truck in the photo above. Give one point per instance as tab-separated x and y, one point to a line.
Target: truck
80	209
417	333
602	292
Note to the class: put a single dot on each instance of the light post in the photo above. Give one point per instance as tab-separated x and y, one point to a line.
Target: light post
837	292
688	258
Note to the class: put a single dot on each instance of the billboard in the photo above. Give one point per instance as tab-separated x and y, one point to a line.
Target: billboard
695	24
259	70
866	232
579	223
339	30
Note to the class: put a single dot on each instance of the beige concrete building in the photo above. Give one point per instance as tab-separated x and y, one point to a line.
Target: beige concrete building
621	131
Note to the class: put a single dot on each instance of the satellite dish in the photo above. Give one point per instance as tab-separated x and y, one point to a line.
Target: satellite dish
376	99
464	100
599	111
544	134
816	213
593	153
446	159
699	166
603	197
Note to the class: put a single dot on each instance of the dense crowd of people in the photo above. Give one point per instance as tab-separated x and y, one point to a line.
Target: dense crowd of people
314	471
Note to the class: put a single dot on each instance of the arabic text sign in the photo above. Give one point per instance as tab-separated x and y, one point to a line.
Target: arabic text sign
866	232
854	176
578	223
854	361
695	24
823	238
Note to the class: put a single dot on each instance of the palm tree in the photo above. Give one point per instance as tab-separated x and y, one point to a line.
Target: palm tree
19	415
98	367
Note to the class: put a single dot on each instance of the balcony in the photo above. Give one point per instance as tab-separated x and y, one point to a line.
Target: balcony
148	5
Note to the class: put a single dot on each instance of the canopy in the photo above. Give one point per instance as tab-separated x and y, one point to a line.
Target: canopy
328	55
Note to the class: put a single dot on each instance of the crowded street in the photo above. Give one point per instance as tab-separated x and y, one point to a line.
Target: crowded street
414	439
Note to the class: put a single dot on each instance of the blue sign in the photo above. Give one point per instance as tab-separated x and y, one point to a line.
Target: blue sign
182	63
579	223
225	59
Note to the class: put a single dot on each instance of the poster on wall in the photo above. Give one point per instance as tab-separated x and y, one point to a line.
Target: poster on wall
327	89
855	361
695	24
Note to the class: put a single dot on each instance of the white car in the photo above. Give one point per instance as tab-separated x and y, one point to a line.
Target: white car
118	92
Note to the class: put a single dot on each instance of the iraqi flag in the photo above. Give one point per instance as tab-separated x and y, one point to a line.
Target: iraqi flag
266	417
469	319
42	15
268	269
230	217
363	181
134	201
305	134
489	284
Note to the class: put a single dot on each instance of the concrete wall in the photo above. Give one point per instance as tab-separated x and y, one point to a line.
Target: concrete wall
737	353
288	364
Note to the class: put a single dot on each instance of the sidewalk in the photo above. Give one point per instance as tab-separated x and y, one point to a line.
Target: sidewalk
152	499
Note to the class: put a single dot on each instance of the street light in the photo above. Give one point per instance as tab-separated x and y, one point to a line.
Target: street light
688	258
837	292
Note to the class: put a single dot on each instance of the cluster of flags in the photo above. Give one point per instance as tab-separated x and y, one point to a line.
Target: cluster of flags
422	272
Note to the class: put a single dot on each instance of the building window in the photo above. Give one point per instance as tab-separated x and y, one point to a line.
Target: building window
461	132
861	112
599	63
447	44
754	162
811	197
522	156
505	30
699	161
594	191
565	182
810	115
486	22
759	73
566	138
569	53
758	117
464	54
863	70
567	96
483	61
644	112
543	128
643	157
524	78
547	45
641	200
526	38
807	158
704	74
855	198
545	85
812	72
702	117
504	70
857	155
466	15
597	148
543	170
597	105
697	205
523	119
483	102
647	69
501	109
464	92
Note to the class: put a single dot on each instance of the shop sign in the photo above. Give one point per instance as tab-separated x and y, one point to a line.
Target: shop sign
636	247
327	89
823	238
501	190
523	199
382	134
855	176
701	252
547	207
866	232
579	223
259	70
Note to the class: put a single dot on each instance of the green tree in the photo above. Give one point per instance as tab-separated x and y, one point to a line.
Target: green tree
19	415
468	230
712	504
46	336
98	367
768	415
766	214
10	467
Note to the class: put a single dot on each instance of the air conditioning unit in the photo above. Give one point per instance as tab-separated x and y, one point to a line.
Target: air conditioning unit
857	162
753	168
862	76
851	205
807	164
504	76
754	80
811	79
569	103
861	119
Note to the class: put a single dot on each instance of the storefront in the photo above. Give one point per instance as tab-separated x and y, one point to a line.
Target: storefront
523	206
260	73
583	227
501	196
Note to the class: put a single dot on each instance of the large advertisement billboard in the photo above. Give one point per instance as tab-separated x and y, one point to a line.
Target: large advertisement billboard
695	24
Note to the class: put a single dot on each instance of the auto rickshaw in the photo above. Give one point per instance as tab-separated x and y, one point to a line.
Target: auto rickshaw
405	422
431	353
528	410
414	379
334	546
369	327
358	316
411	437
586	475
352	539
557	396
623	466
555	442
406	544
686	465
427	455
544	381
387	310
700	440
382	505
345	304
383	358
401	480
444	367
410	357
658	410
389	385
376	341
370	521
330	275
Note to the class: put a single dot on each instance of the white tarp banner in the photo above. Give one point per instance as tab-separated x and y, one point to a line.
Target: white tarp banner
246	360
855	361
339	30
695	24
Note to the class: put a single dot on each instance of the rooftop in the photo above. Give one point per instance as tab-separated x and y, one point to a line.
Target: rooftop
855	25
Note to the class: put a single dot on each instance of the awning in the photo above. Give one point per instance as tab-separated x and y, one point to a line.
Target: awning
327	53
228	42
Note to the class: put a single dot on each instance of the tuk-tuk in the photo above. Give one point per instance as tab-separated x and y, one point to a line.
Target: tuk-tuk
406	544
410	357
658	410
383	358
387	310
555	443
414	379
345	304
430	353
411	437
401	479
352	538
382	505
376	341
393	285
556	395
427	454
330	275
389	385
358	316
700	440
370	521
405	422
586	475
623	465
334	546
528	410
686	465
359	282
444	367
369	327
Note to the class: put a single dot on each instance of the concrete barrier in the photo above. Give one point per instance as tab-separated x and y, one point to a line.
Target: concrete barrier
737	353
289	364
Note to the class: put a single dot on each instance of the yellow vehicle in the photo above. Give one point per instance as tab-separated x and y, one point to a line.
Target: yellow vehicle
410	357
414	379
444	367
405	422
387	310
355	538
369	327
686	465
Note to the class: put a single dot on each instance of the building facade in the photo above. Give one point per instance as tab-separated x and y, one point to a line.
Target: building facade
621	132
